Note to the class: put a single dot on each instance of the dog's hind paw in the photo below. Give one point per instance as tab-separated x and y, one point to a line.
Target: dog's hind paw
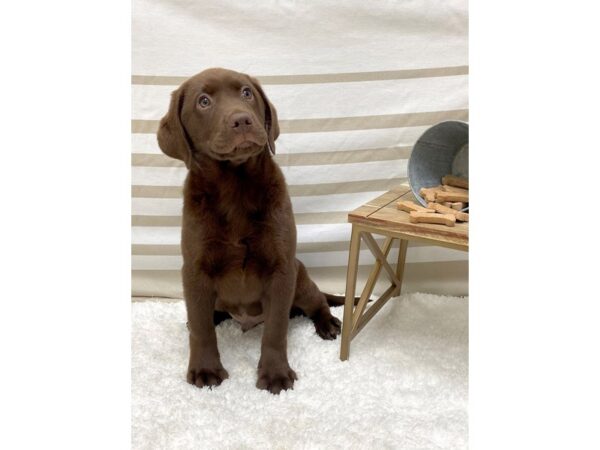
326	325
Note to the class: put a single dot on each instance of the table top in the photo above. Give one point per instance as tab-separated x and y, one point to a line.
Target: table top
381	214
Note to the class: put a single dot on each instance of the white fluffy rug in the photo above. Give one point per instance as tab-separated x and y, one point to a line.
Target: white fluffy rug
404	386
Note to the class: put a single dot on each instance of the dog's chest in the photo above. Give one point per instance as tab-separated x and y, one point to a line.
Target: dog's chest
240	293
235	238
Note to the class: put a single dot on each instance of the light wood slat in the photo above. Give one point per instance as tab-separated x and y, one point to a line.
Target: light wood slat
391	220
381	257
370	284
401	262
353	256
369	313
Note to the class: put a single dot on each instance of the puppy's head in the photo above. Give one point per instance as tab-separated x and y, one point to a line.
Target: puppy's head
221	114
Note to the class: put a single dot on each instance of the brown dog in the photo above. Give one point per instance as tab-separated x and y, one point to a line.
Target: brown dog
238	235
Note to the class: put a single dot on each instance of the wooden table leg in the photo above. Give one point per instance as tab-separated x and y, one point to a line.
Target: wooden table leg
370	284
350	290
400	265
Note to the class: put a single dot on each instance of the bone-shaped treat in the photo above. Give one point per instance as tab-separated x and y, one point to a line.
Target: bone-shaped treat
442	197
410	206
456	181
460	216
443	219
430	193
448	188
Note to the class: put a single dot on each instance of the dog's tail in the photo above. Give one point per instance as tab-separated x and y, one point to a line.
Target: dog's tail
338	300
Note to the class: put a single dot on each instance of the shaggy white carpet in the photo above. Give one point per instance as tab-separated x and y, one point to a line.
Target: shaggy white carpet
404	386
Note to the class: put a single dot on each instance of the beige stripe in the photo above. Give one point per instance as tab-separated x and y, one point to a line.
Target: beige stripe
154	160
144	126
334	272
301	219
339	246
153	298
306	247
343	123
348	187
344	157
323	78
294	159
321	217
155	221
300	190
445	278
166	250
371	122
321	247
156	191
157	80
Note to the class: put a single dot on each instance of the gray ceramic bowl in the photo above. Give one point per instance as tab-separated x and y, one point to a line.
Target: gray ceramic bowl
443	149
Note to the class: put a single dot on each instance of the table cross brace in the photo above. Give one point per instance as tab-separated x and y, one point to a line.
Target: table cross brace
356	318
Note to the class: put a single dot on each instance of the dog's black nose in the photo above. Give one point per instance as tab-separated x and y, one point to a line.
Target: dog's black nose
240	122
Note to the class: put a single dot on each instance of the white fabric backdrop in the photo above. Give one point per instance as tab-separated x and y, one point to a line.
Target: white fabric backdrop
354	84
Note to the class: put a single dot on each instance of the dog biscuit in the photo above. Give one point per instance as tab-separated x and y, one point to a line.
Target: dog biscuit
455	181
410	206
448	188
460	216
443	219
430	193
442	197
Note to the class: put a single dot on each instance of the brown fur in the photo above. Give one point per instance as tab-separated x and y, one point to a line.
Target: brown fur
238	235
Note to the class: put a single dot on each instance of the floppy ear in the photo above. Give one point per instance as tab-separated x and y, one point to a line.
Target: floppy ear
271	122
172	138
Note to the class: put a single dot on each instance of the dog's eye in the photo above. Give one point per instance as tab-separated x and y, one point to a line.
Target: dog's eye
204	101
247	93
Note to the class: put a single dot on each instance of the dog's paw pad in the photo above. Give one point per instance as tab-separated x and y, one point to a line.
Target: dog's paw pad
276	380
206	377
327	326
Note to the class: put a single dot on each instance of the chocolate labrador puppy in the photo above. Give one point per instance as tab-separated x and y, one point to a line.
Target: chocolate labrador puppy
238	235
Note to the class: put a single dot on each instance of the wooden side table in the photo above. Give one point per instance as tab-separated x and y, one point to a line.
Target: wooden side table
381	217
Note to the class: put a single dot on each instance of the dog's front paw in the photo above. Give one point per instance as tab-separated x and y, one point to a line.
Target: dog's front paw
206	376
276	379
327	326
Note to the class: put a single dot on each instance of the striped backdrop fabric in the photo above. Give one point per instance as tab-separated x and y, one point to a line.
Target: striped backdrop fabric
354	83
